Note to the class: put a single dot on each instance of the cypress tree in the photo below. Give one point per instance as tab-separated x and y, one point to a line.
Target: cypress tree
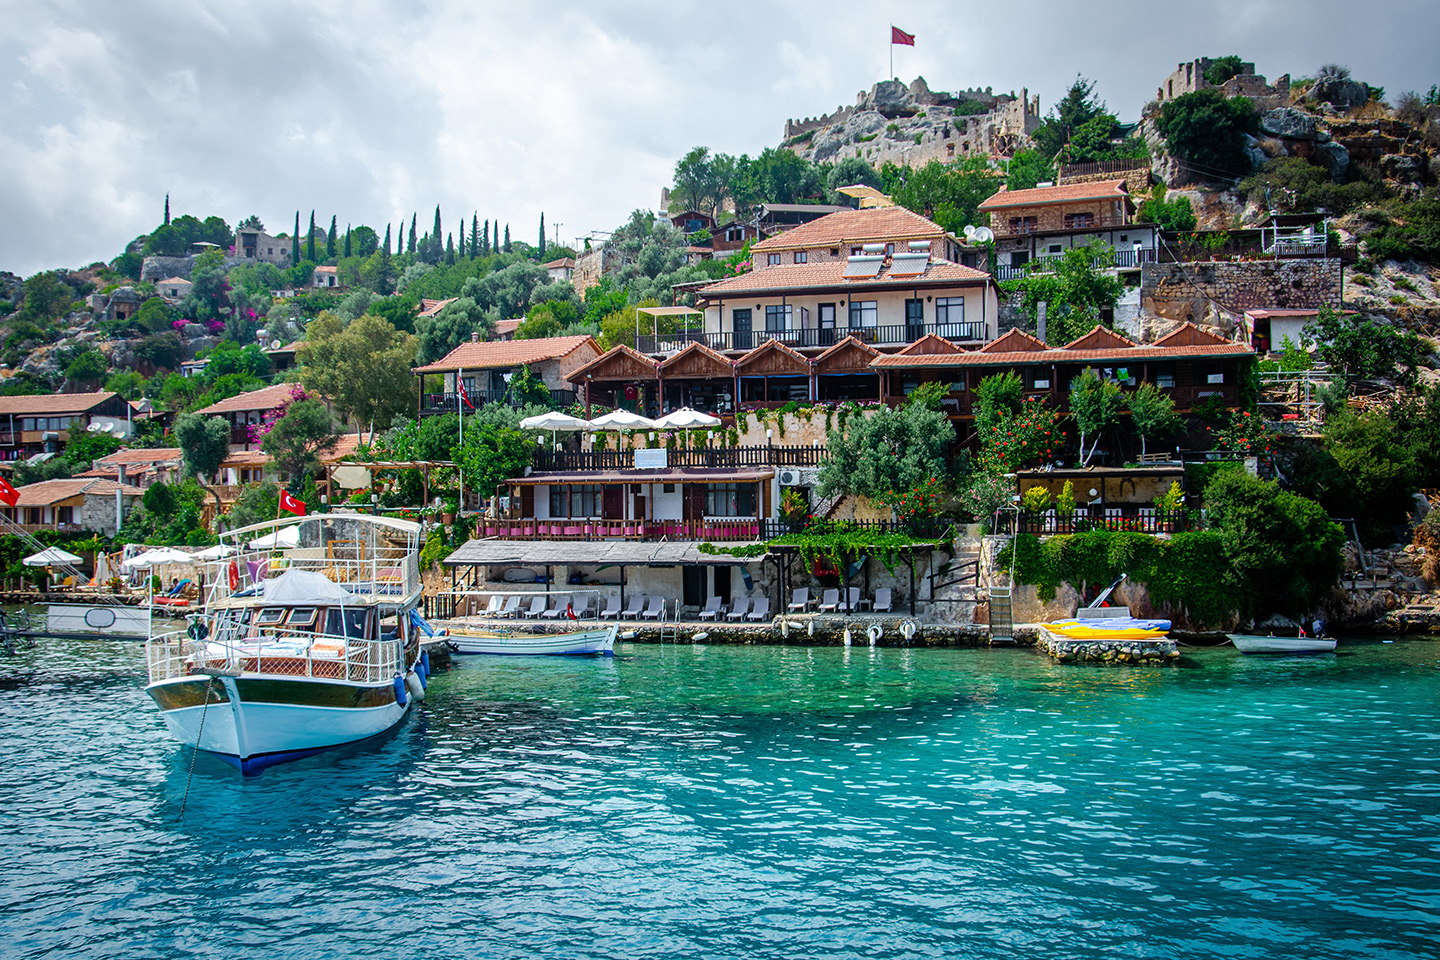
386	248
410	248
450	250
461	253
295	241
496	247
310	239
485	249
167	210
507	238
474	235
542	236
347	241
383	280
330	239
436	231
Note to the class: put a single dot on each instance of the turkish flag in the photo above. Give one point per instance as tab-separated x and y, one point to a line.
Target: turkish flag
900	36
465	395
8	493
291	505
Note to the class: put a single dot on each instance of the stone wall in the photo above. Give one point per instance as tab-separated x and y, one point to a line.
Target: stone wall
591	266
1137	179
1215	293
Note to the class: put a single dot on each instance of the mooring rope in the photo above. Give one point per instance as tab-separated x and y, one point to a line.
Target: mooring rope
204	709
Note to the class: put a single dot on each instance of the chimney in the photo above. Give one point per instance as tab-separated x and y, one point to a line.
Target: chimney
475	337
120	476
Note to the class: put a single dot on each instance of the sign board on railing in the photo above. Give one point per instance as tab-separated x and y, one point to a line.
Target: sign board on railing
651	459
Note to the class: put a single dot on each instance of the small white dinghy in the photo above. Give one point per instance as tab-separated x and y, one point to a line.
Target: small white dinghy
600	640
1250	643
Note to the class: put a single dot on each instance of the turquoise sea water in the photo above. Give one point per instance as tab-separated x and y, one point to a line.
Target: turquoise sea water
715	802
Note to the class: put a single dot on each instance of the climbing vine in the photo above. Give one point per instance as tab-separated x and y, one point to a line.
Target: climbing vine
835	542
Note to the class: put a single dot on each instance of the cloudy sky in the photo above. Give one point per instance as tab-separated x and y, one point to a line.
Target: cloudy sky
372	110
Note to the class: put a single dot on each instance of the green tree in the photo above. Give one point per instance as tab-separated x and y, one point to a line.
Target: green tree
1222	69
948	194
507	238
1362	348
1078	107
439	334
1379	472
330	239
475	235
295	242
1077	290
366	240
45	299
1174	215
298	437
492	454
1152	412
310	240
88	368
849	172
1095	403
526	389
999	394
541	255
1206	131
695	185
162	351
410	246
364	368
347	242
204	442
548	319
83	449
888	449
1027	168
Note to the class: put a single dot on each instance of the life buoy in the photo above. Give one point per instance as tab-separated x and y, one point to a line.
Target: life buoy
234	575
874	633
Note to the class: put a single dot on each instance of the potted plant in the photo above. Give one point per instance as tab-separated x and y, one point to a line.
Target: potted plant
1169	507
115	584
1065	506
448	512
1035	501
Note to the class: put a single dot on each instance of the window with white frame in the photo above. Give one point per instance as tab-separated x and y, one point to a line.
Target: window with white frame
730	500
575	500
778	317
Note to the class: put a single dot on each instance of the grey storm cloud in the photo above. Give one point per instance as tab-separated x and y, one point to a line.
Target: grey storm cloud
372	111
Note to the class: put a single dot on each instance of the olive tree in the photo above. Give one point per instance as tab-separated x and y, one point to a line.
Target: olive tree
1095	404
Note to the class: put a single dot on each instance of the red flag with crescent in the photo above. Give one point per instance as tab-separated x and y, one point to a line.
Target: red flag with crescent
900	36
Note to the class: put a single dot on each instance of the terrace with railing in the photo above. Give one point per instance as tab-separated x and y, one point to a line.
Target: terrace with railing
1122	260
1131	518
432	403
889	335
713	459
713	530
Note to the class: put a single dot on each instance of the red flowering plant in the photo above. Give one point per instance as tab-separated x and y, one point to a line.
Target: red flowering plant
1247	434
257	431
1025	437
921	500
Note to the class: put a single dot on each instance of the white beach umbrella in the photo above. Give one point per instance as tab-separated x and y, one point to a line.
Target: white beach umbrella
217	552
50	557
285	539
554	420
157	558
102	567
622	420
686	419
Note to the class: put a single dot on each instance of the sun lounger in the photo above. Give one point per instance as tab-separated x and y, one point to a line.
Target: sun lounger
612	608
580	607
761	611
883	603
830	600
637	604
497	603
712	609
537	607
738	609
656	608
800	600
852	599
561	602
512	606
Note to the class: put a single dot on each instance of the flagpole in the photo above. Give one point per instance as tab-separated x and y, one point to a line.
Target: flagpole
892	53
460	409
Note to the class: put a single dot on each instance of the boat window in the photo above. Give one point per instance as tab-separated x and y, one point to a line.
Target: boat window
270	617
302	618
347	622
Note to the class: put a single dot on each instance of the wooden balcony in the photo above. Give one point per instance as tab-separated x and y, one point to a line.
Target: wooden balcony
889	335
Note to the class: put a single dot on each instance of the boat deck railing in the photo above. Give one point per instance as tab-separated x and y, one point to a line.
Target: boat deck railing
250	651
387	572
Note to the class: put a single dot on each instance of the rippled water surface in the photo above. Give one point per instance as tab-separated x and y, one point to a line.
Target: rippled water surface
707	802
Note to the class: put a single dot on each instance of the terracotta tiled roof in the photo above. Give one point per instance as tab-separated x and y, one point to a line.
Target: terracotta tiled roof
562	262
53	491
428	308
266	398
1183	343
246	458
174	280
505	328
830	274
488	355
616	352
1015	341
930	344
1100	338
48	404
1069	193
343	446
143	455
872	225
325	269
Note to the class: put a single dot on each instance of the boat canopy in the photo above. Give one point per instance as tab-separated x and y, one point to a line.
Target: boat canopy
305	586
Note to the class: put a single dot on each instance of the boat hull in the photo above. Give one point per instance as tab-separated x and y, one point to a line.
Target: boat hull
1110	628
1247	643
601	641
257	722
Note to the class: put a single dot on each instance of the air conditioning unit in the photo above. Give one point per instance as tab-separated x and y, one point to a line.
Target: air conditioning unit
790	478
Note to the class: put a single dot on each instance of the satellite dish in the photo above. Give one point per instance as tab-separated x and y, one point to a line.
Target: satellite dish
969	229
983	235
274	344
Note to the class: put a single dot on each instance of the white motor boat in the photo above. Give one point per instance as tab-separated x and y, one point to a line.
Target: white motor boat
305	643
1251	643
600	640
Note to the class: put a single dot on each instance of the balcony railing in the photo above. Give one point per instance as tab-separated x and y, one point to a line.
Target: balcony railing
1124	260
880	336
450	402
713	459
1004	228
1133	518
715	530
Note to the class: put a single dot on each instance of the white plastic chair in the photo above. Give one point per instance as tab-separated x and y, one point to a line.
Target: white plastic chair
712	609
799	600
561	602
512	606
657	607
637	604
852	599
738	609
761	611
496	604
537	607
883	603
612	608
830	600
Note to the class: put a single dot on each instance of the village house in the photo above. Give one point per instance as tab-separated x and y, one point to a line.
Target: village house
73	505
45	423
247	411
174	289
486	368
141	467
326	277
428	308
282	358
1035	225
561	270
259	245
505	329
